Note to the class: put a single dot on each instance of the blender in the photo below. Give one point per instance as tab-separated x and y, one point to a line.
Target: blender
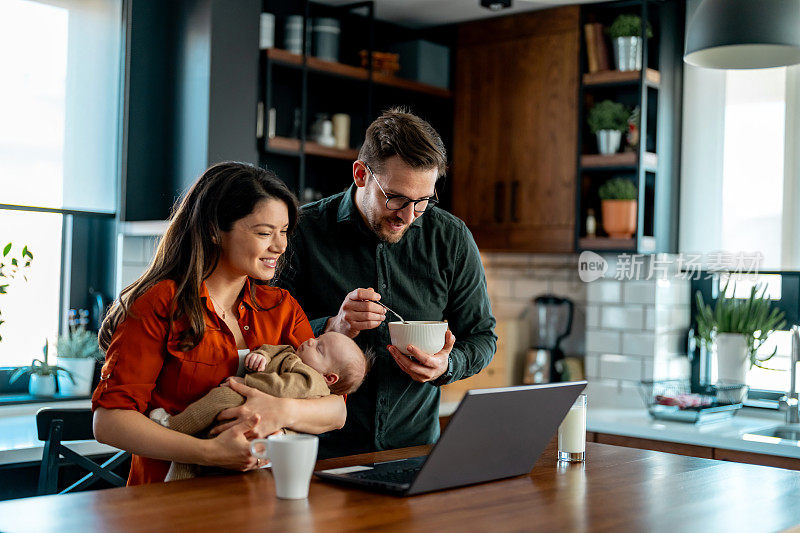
552	322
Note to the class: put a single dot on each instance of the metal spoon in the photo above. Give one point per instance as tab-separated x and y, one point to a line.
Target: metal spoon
404	321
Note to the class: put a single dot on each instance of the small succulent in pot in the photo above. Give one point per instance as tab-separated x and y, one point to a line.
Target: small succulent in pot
78	343
607	120
628	26
618	204
43	375
608	115
618	189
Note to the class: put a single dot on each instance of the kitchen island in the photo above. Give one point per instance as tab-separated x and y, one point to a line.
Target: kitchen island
620	489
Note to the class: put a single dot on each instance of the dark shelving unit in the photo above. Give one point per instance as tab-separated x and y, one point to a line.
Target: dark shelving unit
290	82
654	164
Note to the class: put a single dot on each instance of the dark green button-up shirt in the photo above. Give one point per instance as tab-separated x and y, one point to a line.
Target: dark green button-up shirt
433	273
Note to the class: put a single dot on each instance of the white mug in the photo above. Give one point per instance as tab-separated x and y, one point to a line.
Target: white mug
293	457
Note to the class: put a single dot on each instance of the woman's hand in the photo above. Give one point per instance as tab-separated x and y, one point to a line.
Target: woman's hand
269	410
231	448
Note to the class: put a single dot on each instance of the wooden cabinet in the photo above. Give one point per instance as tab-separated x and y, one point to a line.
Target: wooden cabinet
515	130
692	450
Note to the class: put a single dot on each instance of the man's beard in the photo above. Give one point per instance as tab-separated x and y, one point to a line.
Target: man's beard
380	231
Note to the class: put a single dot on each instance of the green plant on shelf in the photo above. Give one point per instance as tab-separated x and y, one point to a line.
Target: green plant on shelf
628	26
11	266
40	367
608	115
753	317
618	189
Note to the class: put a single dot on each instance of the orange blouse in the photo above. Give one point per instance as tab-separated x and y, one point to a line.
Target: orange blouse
144	368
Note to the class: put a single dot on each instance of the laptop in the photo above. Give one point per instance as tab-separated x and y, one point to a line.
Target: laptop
493	434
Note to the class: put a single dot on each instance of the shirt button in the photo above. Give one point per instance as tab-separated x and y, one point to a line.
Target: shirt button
241	306
383	285
247	328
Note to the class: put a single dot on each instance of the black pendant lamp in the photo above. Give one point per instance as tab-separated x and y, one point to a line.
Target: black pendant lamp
744	34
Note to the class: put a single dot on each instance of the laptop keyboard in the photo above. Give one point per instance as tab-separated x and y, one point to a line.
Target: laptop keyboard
396	472
401	476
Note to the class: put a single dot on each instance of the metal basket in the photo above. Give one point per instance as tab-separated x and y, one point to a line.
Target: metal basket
675	400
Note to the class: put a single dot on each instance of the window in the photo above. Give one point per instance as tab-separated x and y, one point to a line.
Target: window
60	102
740	182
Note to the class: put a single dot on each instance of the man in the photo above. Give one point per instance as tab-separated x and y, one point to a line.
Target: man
384	239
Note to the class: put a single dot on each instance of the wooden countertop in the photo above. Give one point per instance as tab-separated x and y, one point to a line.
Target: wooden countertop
618	489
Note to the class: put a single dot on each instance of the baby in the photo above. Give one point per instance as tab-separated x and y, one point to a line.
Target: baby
332	363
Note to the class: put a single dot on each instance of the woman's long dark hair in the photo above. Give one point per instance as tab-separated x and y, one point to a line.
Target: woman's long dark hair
188	252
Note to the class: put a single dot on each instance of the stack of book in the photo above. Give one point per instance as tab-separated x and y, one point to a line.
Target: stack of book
596	47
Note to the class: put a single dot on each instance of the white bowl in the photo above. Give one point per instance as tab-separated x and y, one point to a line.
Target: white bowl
426	335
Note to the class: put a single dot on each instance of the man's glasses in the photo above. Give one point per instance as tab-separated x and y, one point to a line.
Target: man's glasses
395	202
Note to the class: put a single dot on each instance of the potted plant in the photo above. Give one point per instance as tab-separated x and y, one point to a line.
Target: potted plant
626	37
77	352
42	375
12	266
735	329
618	202
607	120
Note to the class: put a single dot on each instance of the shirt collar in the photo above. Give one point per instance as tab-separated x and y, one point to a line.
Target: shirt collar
348	211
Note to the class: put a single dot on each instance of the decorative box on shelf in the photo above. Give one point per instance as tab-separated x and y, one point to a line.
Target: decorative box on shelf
674	400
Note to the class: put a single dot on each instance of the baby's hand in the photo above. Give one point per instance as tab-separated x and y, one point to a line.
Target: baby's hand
255	362
237	379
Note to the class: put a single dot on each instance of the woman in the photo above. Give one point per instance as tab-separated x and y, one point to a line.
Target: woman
174	334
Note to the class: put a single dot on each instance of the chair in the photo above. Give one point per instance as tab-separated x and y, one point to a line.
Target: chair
56	426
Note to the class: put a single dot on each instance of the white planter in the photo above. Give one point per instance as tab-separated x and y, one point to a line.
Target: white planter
628	53
731	359
608	141
82	370
42	385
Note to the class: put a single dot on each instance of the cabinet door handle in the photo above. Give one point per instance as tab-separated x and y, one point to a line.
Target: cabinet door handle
514	201
499	200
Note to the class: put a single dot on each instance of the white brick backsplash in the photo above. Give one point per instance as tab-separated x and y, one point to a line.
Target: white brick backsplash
671	317
133	250
649	318
527	289
673	291
591	365
619	317
508	259
603	291
592	316
620	367
639	343
672	367
499	288
602	341
639	292
648	369
670	343
574	289
510	309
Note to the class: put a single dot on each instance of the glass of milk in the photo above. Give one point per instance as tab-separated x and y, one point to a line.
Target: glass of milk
572	433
